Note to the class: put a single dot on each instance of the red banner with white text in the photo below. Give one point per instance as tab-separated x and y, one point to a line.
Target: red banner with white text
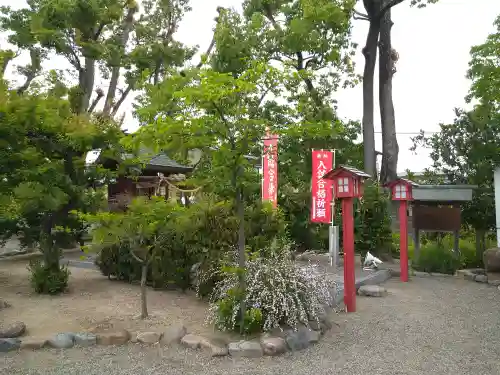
270	170
321	210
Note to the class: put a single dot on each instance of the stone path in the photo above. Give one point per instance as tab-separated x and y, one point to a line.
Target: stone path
439	326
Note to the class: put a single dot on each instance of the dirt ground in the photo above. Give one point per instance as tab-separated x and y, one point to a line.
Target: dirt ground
93	303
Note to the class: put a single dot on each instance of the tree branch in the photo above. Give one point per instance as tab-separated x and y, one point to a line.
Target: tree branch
124	95
386	7
32	71
100	94
360	16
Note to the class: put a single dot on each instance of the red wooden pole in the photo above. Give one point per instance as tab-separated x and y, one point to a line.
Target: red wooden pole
348	241
403	240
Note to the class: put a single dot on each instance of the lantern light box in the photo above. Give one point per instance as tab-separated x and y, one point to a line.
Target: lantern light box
401	189
347	181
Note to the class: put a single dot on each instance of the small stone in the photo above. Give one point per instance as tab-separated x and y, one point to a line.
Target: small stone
273	346
247	349
481	278
113	338
372	291
192	341
4	304
133	338
85	339
7	345
148	337
173	335
62	341
33	344
13	330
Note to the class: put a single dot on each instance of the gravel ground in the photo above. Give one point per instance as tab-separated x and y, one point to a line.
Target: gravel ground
428	326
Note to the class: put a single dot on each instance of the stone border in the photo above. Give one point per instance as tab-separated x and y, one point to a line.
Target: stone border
273	343
374	278
476	274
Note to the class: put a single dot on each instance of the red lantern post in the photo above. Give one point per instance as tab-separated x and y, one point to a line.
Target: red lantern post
348	184
401	190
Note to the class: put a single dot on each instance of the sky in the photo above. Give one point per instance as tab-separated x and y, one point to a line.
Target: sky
433	45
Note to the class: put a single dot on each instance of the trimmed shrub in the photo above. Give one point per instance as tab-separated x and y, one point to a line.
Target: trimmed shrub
202	234
436	258
278	292
47	280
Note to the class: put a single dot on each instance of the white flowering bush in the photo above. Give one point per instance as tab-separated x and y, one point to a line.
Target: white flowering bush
278	292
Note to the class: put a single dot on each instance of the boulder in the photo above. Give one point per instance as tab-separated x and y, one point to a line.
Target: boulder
62	341
217	348
301	338
273	346
481	278
120	337
491	259
192	341
173	334
372	291
85	339
12	330
148	337
247	349
7	345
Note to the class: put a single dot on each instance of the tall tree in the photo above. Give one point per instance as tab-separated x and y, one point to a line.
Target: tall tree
379	36
43	174
468	150
118	37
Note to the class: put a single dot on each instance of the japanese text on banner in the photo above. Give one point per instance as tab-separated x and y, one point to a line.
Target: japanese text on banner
270	170
321	210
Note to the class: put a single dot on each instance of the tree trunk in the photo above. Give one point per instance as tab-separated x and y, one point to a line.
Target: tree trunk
128	23
144	303
240	208
370	53
86	84
390	148
51	254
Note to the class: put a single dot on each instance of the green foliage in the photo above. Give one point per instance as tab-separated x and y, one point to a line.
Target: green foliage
48	280
278	292
373	229
201	233
43	176
437	258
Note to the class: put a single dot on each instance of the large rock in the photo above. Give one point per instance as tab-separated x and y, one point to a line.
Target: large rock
85	339
173	334
120	337
217	348
7	345
372	291
301	338
192	341
491	260
273	345
62	341
247	349
13	330
33	344
148	337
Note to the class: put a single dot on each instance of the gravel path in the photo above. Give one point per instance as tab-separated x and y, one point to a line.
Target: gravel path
428	326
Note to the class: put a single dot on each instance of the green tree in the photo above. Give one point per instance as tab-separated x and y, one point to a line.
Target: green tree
98	35
43	176
217	113
378	14
138	228
468	150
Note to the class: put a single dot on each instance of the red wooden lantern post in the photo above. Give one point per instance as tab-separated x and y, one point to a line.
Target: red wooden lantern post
401	190
347	185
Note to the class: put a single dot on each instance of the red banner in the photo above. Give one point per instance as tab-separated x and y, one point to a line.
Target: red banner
270	170
321	210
